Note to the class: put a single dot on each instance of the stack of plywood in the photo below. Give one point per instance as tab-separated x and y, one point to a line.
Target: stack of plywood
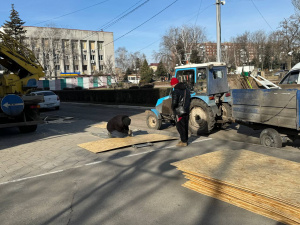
262	184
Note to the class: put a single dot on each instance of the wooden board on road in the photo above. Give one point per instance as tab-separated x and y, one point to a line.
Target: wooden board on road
114	143
259	183
101	125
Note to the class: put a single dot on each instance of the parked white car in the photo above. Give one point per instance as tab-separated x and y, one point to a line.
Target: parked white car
51	100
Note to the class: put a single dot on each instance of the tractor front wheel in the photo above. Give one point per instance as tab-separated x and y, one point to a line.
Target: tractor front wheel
152	121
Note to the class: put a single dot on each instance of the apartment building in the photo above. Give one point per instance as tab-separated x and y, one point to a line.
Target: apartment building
70	52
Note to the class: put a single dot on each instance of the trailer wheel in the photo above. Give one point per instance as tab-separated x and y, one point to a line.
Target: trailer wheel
152	121
271	138
202	119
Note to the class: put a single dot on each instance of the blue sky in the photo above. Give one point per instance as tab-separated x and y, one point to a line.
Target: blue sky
237	16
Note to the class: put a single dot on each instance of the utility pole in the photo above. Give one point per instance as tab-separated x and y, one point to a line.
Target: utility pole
218	5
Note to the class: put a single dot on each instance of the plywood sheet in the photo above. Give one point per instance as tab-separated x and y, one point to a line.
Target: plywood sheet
114	143
265	175
272	206
101	125
237	202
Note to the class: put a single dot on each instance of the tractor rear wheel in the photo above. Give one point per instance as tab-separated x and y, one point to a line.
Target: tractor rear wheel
202	119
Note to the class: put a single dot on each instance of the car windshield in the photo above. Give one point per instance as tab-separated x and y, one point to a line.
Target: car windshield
292	78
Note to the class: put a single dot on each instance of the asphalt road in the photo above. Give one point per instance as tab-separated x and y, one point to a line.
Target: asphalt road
45	178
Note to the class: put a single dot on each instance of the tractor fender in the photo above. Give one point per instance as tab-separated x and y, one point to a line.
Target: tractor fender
156	113
209	103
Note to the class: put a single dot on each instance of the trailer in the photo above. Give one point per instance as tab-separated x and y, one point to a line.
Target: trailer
274	111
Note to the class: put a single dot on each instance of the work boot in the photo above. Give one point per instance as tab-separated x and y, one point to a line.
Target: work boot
181	144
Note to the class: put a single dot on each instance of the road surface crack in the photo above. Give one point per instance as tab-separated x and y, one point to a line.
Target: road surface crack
72	201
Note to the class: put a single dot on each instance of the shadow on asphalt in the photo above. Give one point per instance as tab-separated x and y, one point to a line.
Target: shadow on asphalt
69	119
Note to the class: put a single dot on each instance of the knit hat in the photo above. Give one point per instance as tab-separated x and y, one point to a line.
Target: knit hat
126	120
174	81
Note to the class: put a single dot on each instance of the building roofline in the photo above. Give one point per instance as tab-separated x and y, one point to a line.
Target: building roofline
70	29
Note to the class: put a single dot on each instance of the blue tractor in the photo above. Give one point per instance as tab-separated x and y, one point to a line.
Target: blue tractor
210	98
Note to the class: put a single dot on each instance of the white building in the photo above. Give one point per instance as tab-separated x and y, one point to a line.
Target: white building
69	52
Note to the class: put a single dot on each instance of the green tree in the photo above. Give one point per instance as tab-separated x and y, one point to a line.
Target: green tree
14	27
128	71
161	69
137	63
146	72
195	58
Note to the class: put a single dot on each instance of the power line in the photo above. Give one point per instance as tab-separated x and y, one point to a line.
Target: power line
262	15
121	16
72	12
143	23
148	45
187	21
198	12
112	22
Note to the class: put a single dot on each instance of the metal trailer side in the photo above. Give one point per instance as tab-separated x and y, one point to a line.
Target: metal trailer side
275	110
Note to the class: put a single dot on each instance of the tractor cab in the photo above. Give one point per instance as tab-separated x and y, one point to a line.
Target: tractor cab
205	78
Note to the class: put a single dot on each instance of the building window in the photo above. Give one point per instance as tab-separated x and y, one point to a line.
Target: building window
92	45
67	67
84	57
100	57
83	45
101	67
57	67
75	45
75	57
56	58
100	45
76	67
46	43
84	67
92	57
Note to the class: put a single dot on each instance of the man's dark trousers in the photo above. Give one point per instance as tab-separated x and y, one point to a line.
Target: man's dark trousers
183	128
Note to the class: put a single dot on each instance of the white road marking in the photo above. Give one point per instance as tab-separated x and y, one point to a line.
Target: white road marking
27	178
92	163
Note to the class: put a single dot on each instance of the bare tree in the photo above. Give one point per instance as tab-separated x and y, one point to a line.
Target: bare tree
289	32
258	40
135	60
191	37
48	47
177	44
109	66
296	4
122	59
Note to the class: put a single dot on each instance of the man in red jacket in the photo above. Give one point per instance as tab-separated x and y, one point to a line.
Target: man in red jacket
118	127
